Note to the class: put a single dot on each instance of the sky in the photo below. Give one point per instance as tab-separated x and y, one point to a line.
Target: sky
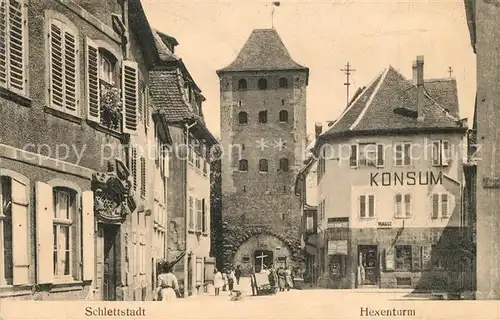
323	35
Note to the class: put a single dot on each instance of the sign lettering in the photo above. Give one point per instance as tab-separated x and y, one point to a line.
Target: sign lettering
410	178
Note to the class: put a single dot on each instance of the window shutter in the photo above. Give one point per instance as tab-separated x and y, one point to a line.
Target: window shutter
436	159
371	205
408	206
445	153
380	155
134	167
146	106
21	260
70	70
143	176
44	233
435	206
166	158
88	245
130	93
16	45
354	156
56	65
3	35
92	80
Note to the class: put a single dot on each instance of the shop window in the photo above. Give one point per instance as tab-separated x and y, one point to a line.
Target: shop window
403	258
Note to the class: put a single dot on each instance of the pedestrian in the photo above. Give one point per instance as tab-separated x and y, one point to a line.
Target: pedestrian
273	279
237	274
167	287
281	279
231	279
224	278
288	279
218	281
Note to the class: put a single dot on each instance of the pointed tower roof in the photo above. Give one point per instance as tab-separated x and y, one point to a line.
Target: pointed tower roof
264	50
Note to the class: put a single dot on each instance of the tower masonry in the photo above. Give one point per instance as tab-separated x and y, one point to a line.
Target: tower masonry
263	137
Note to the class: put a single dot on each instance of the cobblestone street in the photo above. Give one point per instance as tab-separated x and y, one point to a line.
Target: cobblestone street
297	304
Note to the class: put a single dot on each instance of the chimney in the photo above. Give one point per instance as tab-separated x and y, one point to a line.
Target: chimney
318	127
418	77
414	67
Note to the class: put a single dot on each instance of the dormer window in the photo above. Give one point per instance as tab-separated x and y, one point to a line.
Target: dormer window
262	84
242	84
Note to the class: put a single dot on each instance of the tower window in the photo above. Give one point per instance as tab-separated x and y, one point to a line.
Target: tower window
262	84
282	102
242	117
243	165
283	83
284	165
263	165
242	84
263	117
283	116
239	103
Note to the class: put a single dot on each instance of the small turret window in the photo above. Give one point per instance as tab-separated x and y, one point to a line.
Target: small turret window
263	117
242	84
283	83
242	117
243	165
263	165
262	84
283	116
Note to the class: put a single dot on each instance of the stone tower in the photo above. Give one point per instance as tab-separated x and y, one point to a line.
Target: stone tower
263	136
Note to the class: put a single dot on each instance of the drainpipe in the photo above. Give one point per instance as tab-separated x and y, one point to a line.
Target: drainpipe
186	205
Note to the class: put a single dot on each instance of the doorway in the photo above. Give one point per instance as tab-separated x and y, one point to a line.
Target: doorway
368	258
108	239
262	258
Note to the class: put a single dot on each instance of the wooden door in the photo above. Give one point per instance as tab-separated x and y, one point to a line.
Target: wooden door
108	263
368	258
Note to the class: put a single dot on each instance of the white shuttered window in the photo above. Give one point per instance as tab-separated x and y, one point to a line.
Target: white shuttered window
12	45
63	46
14	259
130	83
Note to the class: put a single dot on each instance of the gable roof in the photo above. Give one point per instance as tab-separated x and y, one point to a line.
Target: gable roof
389	103
264	50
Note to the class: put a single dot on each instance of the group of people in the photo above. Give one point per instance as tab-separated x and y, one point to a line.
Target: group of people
226	280
280	279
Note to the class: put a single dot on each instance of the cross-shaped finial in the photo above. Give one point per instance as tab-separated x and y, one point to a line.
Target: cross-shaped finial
274	4
450	71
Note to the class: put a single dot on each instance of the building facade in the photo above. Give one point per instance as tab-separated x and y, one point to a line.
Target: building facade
306	190
390	187
482	19
188	200
76	186
263	134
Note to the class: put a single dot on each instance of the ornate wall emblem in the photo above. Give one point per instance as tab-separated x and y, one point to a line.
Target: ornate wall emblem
112	198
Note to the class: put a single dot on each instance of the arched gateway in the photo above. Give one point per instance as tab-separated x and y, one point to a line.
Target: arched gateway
262	249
